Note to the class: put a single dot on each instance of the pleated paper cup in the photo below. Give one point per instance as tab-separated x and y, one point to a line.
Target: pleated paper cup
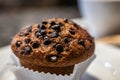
22	73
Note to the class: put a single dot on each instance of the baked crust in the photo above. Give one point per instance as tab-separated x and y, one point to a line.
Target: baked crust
54	42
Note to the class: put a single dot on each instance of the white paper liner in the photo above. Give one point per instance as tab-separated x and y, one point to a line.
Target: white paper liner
22	73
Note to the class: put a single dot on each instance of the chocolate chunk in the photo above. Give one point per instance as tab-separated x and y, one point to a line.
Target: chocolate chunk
35	44
72	31
27	50
46	42
52	23
81	42
37	34
54	34
43	32
52	58
66	20
44	22
27	40
20	34
65	40
18	43
56	27
59	48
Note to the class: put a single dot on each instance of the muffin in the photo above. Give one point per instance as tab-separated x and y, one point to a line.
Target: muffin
55	46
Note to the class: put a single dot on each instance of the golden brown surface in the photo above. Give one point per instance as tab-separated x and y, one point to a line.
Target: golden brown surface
60	43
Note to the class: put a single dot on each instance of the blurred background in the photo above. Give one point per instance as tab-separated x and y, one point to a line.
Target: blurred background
102	17
15	14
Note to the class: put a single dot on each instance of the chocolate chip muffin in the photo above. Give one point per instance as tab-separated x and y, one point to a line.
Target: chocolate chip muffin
55	46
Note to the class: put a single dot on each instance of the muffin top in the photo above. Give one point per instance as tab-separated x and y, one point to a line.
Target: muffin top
54	42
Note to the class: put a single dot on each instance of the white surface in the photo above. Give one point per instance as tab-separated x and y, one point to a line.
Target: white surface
106	66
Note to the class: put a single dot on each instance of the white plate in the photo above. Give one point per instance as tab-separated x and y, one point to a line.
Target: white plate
106	66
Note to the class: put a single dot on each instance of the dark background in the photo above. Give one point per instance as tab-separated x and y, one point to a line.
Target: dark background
15	14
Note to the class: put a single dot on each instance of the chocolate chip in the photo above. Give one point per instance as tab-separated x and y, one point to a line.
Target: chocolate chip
46	37
39	30
52	23
29	29
43	32
54	34
66	20
27	40
41	27
65	40
59	48
18	43
81	42
56	27
38	26
27	33
72	31
20	34
52	58
60	24
90	39
35	44
27	50
46	42
75	25
37	34
44	22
